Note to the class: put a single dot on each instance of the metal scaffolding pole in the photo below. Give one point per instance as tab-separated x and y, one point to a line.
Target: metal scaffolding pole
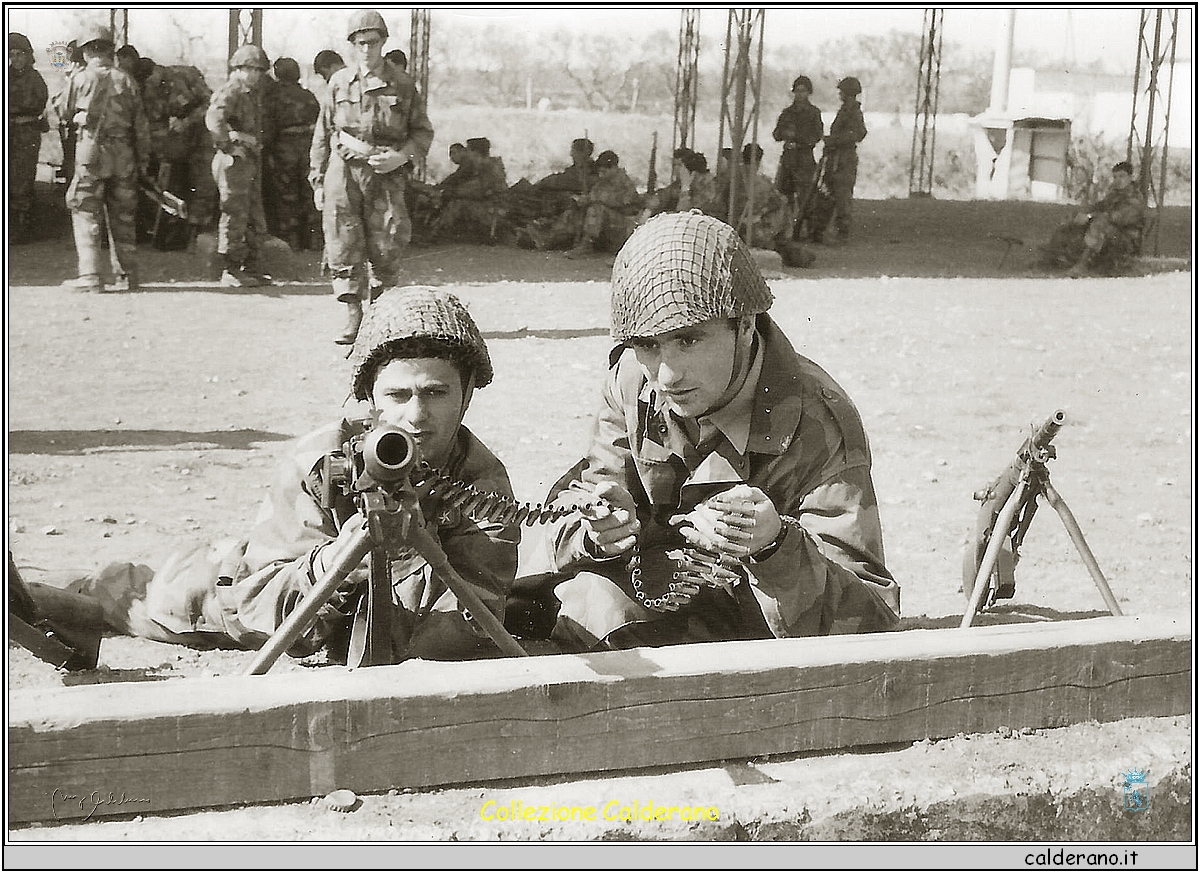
741	88
929	72
683	134
1150	123
245	28
418	66
118	20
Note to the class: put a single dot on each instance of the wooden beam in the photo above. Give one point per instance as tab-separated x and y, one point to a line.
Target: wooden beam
120	749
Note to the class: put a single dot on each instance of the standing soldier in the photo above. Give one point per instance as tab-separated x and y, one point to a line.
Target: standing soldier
799	128
372	123
841	156
112	146
235	120
176	99
292	115
27	94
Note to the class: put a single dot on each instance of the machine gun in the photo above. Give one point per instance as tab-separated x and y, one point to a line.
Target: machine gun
1008	506
382	472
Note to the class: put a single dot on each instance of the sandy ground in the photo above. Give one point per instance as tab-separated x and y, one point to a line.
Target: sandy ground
139	421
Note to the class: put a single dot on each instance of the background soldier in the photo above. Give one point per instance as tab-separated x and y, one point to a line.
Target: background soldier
176	99
112	149
27	94
841	156
470	197
608	212
372	123
1105	235
234	119
291	116
327	62
761	203
799	128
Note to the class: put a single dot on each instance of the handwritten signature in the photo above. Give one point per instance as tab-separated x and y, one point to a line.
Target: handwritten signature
88	803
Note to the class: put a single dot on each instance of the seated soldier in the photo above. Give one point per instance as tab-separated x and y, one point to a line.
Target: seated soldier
603	218
470	208
1107	235
417	361
698	189
424	200
547	198
609	210
764	214
734	474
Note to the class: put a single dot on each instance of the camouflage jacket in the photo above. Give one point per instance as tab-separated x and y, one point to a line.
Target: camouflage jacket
848	128
383	109
799	125
484	180
282	559
575	179
806	449
291	111
103	105
236	107
1124	208
615	190
27	95
175	92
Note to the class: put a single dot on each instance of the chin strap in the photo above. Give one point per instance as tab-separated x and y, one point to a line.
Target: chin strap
737	378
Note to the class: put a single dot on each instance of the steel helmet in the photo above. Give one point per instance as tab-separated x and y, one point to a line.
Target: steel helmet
680	269
96	33
850	85
417	312
250	56
365	19
20	42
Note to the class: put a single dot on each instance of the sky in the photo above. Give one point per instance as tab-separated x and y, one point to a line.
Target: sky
1081	33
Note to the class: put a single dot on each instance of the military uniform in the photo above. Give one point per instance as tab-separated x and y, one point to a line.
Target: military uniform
176	99
799	128
112	146
788	430
365	216
27	95
292	113
235	120
771	213
841	161
609	211
471	198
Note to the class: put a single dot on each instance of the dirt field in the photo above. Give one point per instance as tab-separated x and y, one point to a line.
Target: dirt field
137	421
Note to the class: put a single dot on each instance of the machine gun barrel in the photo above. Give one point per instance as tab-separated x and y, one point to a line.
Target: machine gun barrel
1035	449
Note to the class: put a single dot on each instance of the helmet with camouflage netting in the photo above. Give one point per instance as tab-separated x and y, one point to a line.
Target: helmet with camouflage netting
424	317
680	269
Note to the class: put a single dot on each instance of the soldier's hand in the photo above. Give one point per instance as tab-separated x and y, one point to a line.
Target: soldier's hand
610	525
387	161
739	522
319	198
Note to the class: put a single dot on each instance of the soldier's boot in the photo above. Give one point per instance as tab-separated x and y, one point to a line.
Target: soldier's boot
354	316
87	248
582	249
1083	265
348	290
253	268
126	281
235	274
